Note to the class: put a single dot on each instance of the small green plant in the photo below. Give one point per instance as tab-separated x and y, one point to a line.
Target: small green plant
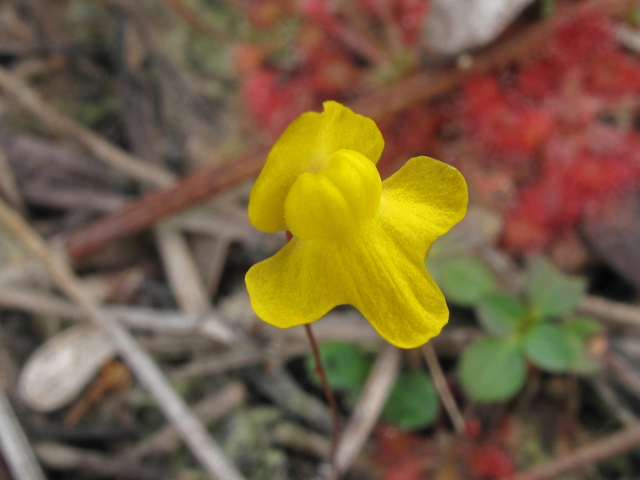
413	402
537	327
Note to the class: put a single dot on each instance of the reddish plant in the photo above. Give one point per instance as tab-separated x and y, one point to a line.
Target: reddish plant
536	132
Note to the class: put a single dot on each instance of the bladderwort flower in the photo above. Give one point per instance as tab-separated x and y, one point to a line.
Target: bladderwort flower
356	239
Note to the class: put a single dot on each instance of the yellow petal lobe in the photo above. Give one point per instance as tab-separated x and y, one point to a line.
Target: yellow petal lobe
368	269
425	198
338	199
307	145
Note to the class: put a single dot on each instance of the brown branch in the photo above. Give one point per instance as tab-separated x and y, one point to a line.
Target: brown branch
595	452
141	214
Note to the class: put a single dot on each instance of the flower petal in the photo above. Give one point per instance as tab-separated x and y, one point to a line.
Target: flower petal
293	287
425	198
306	146
393	289
370	269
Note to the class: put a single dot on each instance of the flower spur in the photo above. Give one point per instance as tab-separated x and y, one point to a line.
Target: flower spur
356	239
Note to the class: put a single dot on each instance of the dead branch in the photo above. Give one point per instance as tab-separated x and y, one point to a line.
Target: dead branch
141	214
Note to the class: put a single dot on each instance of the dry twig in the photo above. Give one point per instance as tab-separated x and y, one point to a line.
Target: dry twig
181	270
212	256
615	403
595	452
367	410
137	318
443	389
147	372
624	372
14	445
58	456
614	312
9	186
242	357
29	100
283	391
209	410
295	437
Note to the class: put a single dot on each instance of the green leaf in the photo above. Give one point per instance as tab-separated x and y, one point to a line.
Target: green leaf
550	292
413	402
547	347
492	369
581	327
581	362
465	280
345	364
500	314
578	330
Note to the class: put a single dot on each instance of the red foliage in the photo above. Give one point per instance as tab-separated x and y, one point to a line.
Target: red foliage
407	15
248	57
274	101
612	73
407	135
551	116
393	446
502	125
331	71
489	460
407	456
577	38
538	128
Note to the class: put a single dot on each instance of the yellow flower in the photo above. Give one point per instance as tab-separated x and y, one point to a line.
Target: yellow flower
356	240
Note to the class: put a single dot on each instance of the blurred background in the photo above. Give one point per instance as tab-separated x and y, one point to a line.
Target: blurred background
130	134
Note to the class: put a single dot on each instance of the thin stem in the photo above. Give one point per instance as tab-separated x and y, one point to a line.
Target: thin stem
443	389
327	390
